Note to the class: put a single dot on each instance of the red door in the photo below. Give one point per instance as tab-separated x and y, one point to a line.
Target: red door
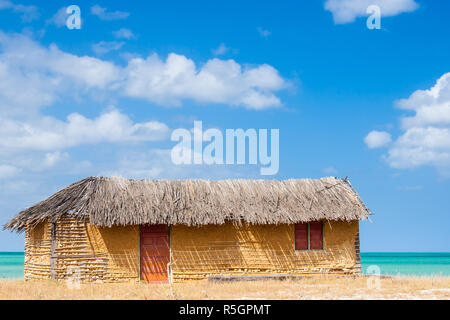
155	253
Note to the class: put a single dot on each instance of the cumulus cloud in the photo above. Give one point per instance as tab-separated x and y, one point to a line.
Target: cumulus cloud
377	139
103	14
431	107
34	77
48	133
40	77
45	74
425	139
345	11
217	81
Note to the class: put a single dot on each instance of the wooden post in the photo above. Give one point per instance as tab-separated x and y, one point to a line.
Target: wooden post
358	254
53	262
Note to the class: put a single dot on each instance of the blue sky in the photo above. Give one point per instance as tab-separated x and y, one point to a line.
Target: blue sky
373	105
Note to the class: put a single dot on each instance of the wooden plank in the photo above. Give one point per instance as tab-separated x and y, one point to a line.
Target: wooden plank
358	254
271	277
53	257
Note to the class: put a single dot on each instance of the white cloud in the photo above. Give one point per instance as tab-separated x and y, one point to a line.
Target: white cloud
124	33
22	92
44	75
103	14
52	158
47	133
28	13
377	139
220	50
8	171
59	18
217	81
86	70
104	47
345	11
421	146
264	33
426	135
432	106
34	77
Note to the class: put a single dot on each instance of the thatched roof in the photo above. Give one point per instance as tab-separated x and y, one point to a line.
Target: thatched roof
118	201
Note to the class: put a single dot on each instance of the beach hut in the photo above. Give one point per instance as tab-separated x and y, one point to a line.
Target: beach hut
117	230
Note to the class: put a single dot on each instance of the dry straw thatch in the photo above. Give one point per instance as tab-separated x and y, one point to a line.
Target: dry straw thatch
117	201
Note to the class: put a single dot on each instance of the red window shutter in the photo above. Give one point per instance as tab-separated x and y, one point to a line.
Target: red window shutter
301	236
315	235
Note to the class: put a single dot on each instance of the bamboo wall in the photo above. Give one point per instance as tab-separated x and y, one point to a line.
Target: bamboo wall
87	253
261	250
81	252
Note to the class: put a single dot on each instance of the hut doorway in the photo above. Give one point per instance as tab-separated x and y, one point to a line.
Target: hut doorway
155	253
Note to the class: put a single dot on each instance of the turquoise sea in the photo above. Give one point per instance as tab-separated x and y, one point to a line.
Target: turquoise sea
414	264
11	265
407	263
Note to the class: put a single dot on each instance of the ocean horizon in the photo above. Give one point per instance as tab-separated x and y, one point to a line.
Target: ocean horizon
388	263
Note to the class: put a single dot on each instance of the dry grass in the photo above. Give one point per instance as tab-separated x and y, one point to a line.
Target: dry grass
306	288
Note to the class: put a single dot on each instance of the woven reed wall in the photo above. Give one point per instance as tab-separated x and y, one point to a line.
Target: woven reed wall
87	253
81	252
260	250
37	252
